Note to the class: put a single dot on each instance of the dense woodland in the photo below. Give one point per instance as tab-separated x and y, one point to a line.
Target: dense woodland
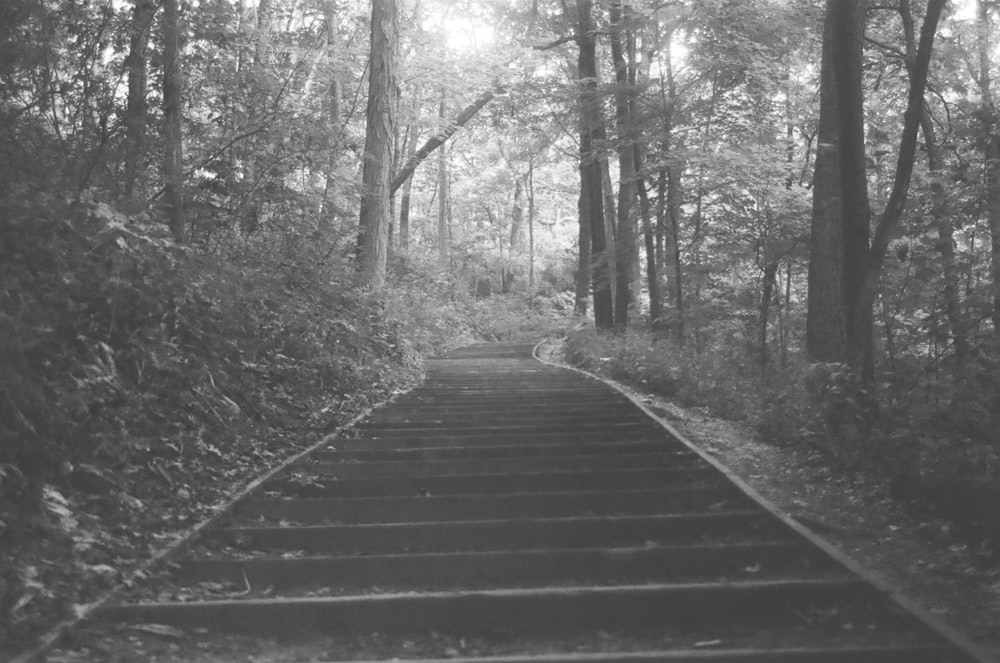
226	225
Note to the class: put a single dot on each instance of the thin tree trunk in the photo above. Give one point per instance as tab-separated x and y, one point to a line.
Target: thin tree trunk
334	120
939	207
442	225
652	273
674	216
767	294
373	225
517	217
173	153
583	276
136	107
592	135
531	232
990	119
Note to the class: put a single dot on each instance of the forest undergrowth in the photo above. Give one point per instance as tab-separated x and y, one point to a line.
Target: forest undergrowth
934	443
142	384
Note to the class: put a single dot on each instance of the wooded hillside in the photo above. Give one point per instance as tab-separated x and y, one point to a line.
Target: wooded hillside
226	225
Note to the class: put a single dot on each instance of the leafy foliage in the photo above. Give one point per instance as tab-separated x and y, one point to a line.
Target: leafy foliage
136	373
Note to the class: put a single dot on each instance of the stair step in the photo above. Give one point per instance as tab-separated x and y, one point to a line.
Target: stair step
495	569
307	485
561	609
593	462
516	534
492	506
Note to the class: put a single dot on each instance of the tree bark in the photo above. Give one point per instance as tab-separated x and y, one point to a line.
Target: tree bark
768	280
173	153
646	212
592	135
531	232
374	219
825	333
848	19
990	120
136	106
582	281
626	259
517	217
334	121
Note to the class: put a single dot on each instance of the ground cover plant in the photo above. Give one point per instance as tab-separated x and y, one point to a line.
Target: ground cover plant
142	383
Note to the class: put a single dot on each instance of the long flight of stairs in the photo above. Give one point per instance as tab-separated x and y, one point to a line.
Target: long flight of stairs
508	510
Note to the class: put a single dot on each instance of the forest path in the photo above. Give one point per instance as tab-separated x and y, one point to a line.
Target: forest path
509	508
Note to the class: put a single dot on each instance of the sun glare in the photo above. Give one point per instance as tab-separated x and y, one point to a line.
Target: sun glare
462	33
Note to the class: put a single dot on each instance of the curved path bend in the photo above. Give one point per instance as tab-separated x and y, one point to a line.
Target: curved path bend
509	510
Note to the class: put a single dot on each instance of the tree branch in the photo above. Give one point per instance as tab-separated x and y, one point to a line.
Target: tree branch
907	148
439	139
553	44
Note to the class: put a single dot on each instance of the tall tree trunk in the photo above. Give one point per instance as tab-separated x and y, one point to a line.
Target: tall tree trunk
592	135
670	191
825	332
334	120
939	213
848	18
442	225
652	273
442	217
626	253
893	212
412	136
173	153
136	106
674	234
661	217
373	226
531	231
610	221
990	120
583	269
262	44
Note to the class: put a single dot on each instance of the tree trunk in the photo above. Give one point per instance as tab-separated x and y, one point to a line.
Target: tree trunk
848	19
626	258
173	153
583	276
674	234
894	207
517	217
939	213
136	107
990	120
610	219
334	120
767	294
652	273
373	226
592	135
825	333
442	185
442	218
531	232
